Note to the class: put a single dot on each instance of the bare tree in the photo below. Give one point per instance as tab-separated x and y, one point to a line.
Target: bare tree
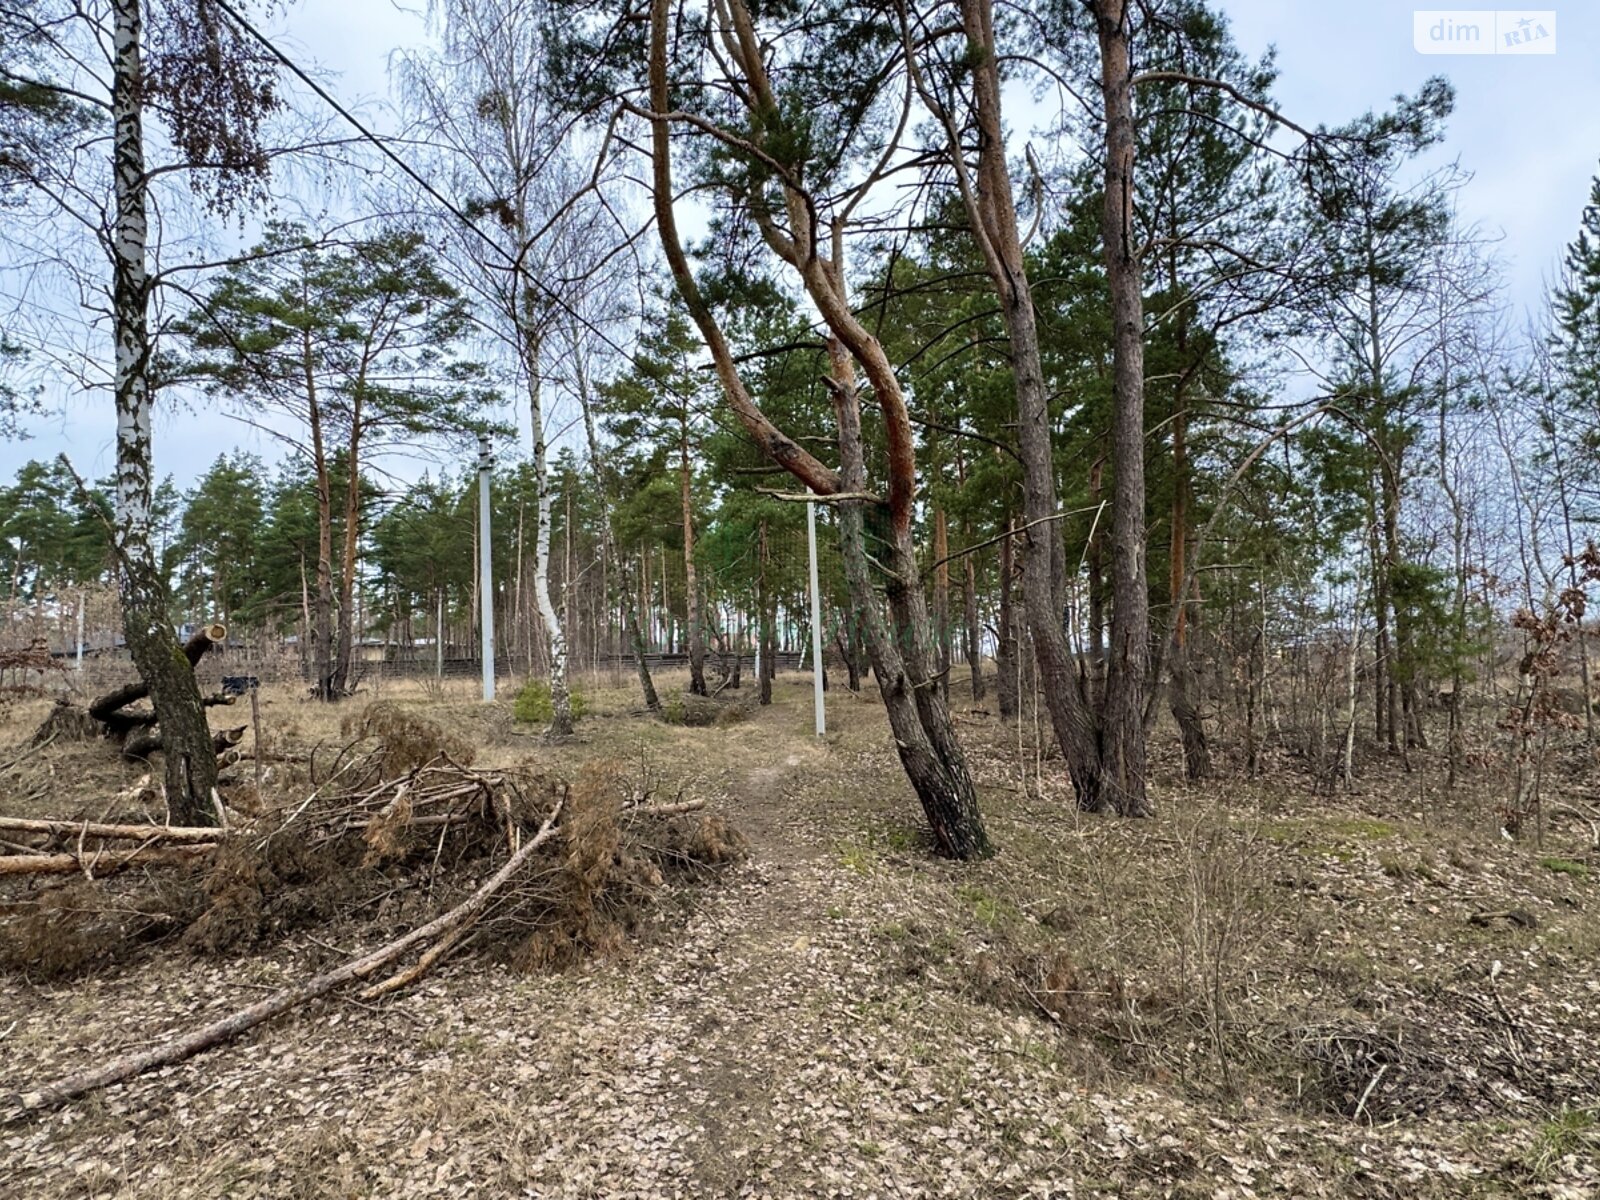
483	104
212	90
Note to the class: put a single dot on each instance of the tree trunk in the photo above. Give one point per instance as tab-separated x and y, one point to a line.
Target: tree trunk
971	634
560	698
992	210
923	733
1095	560
1382	665
1122	741
697	637
1005	655
766	635
609	551
104	708
348	634
322	616
941	601
1405	671
191	767
1181	683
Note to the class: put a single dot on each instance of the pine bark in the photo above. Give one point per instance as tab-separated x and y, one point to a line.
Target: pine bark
923	733
902	654
1122	739
992	208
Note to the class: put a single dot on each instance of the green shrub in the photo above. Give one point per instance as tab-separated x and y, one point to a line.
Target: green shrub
534	705
1565	866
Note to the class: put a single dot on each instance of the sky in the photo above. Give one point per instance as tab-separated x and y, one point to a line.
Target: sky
1525	128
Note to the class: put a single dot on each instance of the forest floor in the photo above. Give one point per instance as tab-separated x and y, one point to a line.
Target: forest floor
1259	992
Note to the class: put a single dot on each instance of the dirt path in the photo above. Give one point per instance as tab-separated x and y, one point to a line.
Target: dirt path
817	1022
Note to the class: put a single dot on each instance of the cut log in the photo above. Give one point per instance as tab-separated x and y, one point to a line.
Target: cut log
194	650
100	862
103	831
187	1045
143	745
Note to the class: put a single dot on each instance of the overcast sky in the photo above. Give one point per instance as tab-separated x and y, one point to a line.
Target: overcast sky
1525	127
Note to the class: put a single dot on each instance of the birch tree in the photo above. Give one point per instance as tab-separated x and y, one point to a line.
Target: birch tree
212	91
483	105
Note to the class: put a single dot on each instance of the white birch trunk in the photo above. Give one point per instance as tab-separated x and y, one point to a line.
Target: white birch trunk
560	697
189	758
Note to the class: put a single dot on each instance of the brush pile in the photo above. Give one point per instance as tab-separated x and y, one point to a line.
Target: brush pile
526	868
394	830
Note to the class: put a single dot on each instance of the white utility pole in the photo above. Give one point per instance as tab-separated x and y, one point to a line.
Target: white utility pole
816	620
485	566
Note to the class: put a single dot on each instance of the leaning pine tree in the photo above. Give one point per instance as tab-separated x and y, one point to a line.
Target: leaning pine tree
776	173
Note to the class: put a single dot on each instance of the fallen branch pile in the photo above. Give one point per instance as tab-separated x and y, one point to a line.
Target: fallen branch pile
581	861
175	1050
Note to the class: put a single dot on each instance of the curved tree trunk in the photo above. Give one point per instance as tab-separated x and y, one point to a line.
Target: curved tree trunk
900	653
924	733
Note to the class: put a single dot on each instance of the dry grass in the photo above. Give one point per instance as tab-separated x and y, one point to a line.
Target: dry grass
1261	989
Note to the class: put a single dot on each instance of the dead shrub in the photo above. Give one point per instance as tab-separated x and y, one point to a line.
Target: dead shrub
257	893
697	842
81	927
1361	1071
406	740
1045	983
735	712
588	889
594	897
696	712
65	722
